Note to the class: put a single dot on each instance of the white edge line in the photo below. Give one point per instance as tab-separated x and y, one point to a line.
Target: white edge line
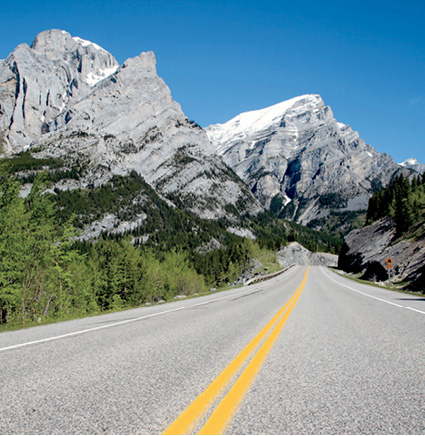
79	332
371	296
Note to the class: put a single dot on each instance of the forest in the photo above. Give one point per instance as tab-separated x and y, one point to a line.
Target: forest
48	272
404	201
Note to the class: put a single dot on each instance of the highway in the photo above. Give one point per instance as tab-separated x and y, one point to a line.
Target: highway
307	352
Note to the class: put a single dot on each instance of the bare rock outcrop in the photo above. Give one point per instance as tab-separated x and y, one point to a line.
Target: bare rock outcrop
366	251
40	82
295	253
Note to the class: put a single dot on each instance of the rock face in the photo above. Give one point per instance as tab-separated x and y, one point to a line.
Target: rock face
366	250
299	161
40	82
295	253
68	98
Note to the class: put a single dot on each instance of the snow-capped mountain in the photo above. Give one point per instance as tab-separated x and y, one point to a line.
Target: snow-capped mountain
252	124
299	160
413	164
68	98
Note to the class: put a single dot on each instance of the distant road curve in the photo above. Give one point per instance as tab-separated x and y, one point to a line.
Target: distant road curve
307	352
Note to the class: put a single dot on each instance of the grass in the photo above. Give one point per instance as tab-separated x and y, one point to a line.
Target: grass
268	261
13	326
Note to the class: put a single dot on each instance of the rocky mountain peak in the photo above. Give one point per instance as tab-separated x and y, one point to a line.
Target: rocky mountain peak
299	160
264	120
42	81
68	98
146	62
92	62
54	43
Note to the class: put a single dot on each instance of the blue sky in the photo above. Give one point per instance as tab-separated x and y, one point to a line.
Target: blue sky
220	58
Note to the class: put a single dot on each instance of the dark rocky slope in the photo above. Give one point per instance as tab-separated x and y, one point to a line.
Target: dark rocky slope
366	251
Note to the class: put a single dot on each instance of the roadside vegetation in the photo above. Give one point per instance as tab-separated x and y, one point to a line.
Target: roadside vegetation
47	273
404	201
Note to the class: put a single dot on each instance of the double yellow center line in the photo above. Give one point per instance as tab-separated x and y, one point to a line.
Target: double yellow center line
221	416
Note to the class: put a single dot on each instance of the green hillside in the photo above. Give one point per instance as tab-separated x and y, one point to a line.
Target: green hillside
48	272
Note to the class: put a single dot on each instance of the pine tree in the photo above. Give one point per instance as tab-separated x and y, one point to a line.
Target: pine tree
13	223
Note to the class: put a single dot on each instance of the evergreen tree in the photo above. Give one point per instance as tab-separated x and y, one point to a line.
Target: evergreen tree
402	200
13	248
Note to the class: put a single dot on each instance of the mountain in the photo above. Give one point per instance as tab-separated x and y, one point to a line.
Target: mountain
414	165
299	161
68	99
41	82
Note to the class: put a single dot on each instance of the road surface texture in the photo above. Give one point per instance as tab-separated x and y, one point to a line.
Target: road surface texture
308	352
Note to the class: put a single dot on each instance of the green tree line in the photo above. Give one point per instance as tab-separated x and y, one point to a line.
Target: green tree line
47	274
403	200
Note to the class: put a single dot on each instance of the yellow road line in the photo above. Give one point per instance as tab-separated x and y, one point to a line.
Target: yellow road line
188	419
224	412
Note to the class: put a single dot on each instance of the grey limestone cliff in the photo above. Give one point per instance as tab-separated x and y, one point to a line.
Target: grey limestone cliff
68	98
300	161
39	82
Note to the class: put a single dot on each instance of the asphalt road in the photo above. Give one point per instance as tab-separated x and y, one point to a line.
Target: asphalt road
343	358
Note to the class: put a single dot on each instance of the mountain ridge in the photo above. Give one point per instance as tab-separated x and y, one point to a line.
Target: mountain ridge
298	159
126	121
67	98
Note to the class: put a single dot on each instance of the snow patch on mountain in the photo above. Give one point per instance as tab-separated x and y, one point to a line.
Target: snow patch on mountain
409	162
86	43
93	78
247	123
413	164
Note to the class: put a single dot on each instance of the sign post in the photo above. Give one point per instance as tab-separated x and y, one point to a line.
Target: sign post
389	266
